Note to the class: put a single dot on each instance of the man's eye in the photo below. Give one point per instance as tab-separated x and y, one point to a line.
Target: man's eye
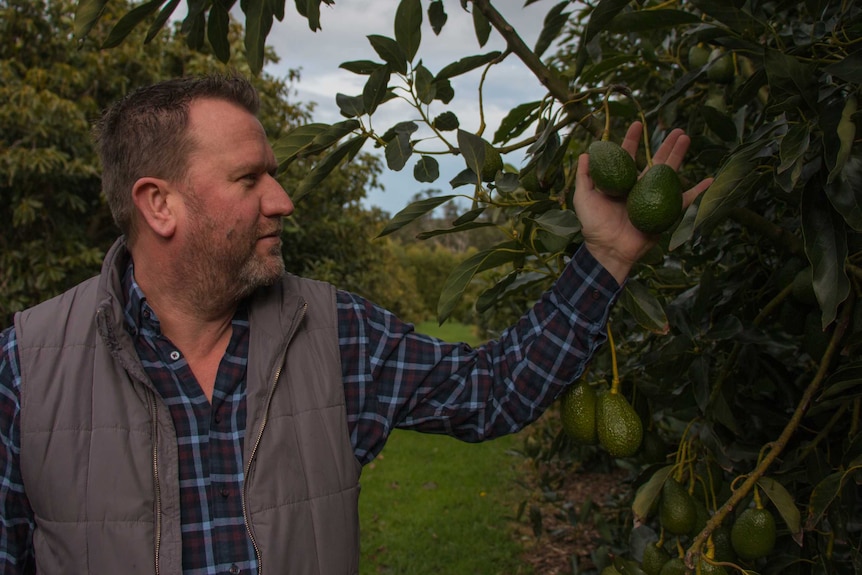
250	178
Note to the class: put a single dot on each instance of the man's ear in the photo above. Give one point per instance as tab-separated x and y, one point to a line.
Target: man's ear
155	200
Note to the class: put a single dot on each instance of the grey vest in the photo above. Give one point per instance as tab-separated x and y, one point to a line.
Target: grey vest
99	453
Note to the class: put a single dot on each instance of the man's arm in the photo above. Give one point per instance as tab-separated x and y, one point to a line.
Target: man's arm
395	377
16	516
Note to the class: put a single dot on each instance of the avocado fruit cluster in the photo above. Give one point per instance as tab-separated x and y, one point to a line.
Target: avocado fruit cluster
653	202
605	418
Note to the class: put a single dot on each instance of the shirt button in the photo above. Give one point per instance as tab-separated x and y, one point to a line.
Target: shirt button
225	492
234	569
217	418
175	355
595	295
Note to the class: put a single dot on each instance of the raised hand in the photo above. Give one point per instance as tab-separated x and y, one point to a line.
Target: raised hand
608	233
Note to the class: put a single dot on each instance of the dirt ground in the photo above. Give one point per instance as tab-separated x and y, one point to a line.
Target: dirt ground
566	534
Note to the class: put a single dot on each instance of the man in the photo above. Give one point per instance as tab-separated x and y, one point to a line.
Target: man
195	409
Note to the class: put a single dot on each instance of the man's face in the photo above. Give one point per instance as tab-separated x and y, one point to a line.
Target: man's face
233	205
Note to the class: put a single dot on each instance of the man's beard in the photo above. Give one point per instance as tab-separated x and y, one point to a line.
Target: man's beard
226	272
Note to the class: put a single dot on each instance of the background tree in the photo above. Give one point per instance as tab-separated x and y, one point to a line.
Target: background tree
738	337
58	224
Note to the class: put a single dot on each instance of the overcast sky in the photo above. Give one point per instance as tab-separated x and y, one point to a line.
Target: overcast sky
343	37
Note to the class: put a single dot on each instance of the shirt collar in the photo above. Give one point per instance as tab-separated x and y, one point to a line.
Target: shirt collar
139	316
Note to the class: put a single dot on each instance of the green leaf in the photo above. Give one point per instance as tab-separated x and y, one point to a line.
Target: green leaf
390	51
685	230
845	193
644	307
196	8
398	151
823	495
408	27
846	133
465	65
602	15
437	15
258	21
412	212
446	122
481	26
592	74
426	89
843	379
472	149
454	229
375	89
332	134
727	185
310	10
289	146
648	493
848	69
790	77
443	90
489	297
310	139
680	87
793	146
721	124
563	223
783	502
323	168
742	23
646	20
426	170
363	67
461	276
160	20
217	31
87	14
517	120
826	247
350	106
128	22
554	22
196	31
276	6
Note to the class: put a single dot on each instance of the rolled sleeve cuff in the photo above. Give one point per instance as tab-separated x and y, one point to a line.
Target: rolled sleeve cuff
587	288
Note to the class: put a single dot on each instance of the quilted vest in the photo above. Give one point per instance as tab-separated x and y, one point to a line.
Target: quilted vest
99	453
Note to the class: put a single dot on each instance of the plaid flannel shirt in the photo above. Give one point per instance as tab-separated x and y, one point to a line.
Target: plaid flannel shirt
393	378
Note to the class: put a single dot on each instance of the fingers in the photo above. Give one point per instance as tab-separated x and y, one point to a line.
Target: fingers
633	138
672	151
583	181
692	194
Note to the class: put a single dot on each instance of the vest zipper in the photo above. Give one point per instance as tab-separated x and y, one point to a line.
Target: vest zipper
298	319
154	408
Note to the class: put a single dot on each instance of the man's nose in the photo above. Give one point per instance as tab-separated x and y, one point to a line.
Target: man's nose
275	202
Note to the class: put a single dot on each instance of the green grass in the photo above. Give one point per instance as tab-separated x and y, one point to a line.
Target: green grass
431	504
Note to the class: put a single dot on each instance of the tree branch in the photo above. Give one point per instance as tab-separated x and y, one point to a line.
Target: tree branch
778	445
549	78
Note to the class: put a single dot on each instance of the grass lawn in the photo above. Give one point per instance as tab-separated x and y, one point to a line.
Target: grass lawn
434	505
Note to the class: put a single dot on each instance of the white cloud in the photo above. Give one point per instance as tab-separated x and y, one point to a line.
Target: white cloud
343	38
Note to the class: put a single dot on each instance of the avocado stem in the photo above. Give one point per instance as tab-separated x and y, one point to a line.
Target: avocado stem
615	382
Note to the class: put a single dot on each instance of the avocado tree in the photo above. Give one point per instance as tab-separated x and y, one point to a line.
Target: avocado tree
58	225
737	338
